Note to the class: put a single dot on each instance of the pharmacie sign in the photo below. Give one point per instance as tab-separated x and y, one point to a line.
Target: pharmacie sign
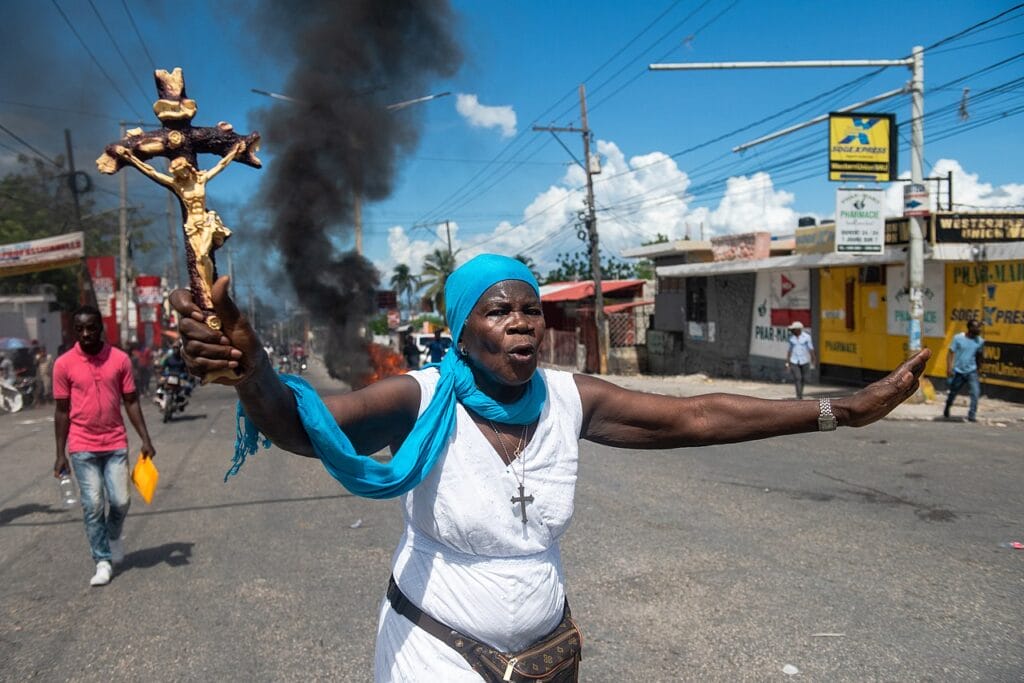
860	223
862	147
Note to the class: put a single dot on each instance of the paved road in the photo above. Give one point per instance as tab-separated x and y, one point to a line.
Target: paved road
863	555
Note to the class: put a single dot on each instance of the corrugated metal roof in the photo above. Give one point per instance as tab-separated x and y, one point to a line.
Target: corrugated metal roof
577	291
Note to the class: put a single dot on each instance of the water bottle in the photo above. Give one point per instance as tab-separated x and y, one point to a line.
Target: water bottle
67	490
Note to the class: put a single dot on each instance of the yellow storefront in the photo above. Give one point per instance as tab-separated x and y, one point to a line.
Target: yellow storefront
861	327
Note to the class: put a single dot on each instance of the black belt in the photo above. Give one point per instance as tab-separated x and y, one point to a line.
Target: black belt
407	609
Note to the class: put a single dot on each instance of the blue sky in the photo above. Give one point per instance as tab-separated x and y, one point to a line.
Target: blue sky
527	59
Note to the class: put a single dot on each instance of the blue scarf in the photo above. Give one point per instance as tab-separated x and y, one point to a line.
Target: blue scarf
429	437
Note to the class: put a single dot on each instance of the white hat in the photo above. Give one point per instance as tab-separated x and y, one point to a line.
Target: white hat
796	325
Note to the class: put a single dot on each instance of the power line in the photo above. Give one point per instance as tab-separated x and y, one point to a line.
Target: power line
971	29
94	60
113	41
138	35
34	150
469	187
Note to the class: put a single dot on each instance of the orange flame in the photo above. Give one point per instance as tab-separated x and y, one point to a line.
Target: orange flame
384	362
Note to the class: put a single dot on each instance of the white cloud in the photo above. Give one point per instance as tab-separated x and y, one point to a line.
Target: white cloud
752	203
484	116
412	252
969	193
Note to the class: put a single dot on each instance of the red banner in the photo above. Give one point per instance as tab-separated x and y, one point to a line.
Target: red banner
104	283
149	302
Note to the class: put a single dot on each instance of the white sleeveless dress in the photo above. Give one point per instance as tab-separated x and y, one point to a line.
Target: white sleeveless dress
466	558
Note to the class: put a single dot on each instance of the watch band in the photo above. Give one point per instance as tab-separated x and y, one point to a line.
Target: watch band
826	418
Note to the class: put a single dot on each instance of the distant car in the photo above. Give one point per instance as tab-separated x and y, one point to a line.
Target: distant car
425	339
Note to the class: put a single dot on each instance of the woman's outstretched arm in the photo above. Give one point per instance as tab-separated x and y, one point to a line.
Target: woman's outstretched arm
629	419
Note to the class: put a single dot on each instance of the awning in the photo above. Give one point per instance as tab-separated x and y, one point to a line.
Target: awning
897	254
578	291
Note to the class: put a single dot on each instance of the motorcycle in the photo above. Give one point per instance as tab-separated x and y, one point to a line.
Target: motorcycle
301	364
10	398
26	386
172	394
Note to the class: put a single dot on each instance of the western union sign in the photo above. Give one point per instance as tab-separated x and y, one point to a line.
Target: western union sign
862	147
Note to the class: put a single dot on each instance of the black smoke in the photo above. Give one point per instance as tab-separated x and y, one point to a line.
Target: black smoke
338	140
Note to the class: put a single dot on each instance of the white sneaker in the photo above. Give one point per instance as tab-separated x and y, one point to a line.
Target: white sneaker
117	550
102	575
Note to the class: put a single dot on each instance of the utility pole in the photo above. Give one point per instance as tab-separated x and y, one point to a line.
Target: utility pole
591	224
123	280
448	232
915	251
73	179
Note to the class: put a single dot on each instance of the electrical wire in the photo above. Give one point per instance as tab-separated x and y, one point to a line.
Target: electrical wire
29	146
117	48
95	61
138	35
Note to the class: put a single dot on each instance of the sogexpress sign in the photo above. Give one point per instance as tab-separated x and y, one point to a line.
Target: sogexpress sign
862	147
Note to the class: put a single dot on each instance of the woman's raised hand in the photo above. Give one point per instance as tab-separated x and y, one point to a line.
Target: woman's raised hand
235	345
877	400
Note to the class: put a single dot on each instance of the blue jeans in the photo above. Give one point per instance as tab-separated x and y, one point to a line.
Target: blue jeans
102	478
956	383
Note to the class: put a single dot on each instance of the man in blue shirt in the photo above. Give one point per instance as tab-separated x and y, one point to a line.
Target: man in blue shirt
962	365
437	347
801	355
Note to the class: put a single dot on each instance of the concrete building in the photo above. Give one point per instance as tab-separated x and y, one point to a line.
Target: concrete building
723	310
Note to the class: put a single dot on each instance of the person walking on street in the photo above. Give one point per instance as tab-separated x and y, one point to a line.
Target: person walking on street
963	362
411	351
437	348
801	355
89	384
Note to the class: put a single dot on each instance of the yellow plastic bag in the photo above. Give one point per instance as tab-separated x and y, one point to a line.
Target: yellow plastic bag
145	476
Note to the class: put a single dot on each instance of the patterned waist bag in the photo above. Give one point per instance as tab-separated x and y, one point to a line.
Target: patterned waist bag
555	658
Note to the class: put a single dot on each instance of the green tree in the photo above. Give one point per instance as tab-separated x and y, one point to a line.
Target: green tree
528	262
405	284
573	267
36	203
436	268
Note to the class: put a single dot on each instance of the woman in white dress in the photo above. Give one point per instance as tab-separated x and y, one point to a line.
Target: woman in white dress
485	458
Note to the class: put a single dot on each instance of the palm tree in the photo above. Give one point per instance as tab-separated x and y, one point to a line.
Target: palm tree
528	262
405	284
436	269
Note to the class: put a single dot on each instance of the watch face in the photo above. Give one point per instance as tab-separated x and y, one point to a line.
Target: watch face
826	423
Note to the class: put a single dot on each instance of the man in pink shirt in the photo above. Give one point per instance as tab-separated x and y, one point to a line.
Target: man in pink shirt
89	383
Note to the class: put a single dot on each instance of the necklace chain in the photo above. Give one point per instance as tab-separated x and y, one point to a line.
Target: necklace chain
519	445
522	499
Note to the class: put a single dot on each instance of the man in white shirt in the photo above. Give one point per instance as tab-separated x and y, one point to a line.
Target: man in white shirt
801	355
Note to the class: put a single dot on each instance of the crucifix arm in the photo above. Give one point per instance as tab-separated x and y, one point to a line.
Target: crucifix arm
237	149
143	167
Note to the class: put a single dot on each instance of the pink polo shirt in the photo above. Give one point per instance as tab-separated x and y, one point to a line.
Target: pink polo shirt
95	385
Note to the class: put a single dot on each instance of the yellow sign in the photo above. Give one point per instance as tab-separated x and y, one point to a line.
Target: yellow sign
993	293
862	147
816	239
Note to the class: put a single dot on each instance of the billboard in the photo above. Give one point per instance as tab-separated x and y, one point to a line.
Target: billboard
860	223
790	297
992	292
767	338
44	254
862	147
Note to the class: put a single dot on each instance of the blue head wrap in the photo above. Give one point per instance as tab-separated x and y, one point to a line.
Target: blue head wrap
429	437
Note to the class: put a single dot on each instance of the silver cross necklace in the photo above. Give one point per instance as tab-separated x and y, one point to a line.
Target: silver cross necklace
522	498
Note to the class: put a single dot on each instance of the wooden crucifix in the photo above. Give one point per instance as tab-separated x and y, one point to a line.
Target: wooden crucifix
181	142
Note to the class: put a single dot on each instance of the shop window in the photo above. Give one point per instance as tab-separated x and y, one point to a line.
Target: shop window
871	275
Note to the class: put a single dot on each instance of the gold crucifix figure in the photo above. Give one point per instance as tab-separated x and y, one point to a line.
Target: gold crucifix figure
179	141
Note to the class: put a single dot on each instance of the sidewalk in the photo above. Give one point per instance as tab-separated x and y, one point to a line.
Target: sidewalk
991	412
